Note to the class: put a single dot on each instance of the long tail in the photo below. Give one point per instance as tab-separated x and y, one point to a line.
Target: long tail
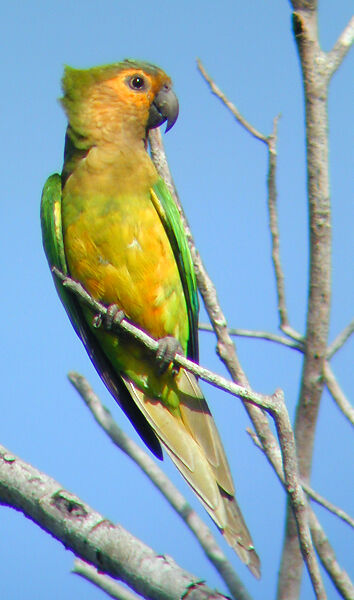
193	443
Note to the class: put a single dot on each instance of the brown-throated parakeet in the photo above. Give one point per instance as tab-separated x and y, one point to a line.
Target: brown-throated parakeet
110	223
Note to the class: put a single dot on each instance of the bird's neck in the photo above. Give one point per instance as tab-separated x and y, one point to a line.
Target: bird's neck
122	164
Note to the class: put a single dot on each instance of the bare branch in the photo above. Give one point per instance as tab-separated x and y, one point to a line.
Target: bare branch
270	141
316	497
232	108
297	501
103	582
274	227
261	335
91	537
337	393
331	382
340	48
310	492
340	340
310	5
164	485
339	577
319	288
324	549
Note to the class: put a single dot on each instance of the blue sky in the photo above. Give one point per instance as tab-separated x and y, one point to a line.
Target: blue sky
220	173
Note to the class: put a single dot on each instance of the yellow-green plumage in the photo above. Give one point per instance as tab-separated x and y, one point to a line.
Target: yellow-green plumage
116	246
111	224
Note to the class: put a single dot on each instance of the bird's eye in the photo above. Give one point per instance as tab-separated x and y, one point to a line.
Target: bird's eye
137	82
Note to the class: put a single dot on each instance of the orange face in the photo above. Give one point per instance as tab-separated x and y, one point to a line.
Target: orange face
119	107
135	86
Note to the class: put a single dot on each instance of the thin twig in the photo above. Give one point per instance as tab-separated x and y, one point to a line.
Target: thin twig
339	576
203	534
274	226
270	141
232	108
102	581
261	335
339	512
274	404
337	393
340	340
340	49
315	496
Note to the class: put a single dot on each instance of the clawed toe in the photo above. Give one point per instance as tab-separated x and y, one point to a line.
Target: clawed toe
114	315
166	352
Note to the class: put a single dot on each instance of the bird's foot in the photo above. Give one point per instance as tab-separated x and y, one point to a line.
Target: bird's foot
114	315
169	346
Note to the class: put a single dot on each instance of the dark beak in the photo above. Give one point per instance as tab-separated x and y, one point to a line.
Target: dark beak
164	108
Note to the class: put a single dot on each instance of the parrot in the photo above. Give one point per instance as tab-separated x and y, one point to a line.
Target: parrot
110	223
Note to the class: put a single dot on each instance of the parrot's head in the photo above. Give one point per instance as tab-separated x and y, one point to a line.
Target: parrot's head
124	99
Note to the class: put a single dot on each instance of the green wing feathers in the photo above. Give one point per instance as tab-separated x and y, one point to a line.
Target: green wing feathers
170	217
51	223
54	249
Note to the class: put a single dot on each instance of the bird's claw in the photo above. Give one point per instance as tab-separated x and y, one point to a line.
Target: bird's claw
114	315
168	347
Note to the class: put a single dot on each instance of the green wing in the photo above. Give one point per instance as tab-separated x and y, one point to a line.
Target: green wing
172	223
54	249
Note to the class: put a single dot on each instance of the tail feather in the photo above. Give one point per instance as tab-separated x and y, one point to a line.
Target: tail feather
237	535
192	441
179	444
199	421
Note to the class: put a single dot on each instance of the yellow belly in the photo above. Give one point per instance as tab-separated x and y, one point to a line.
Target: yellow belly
119	251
